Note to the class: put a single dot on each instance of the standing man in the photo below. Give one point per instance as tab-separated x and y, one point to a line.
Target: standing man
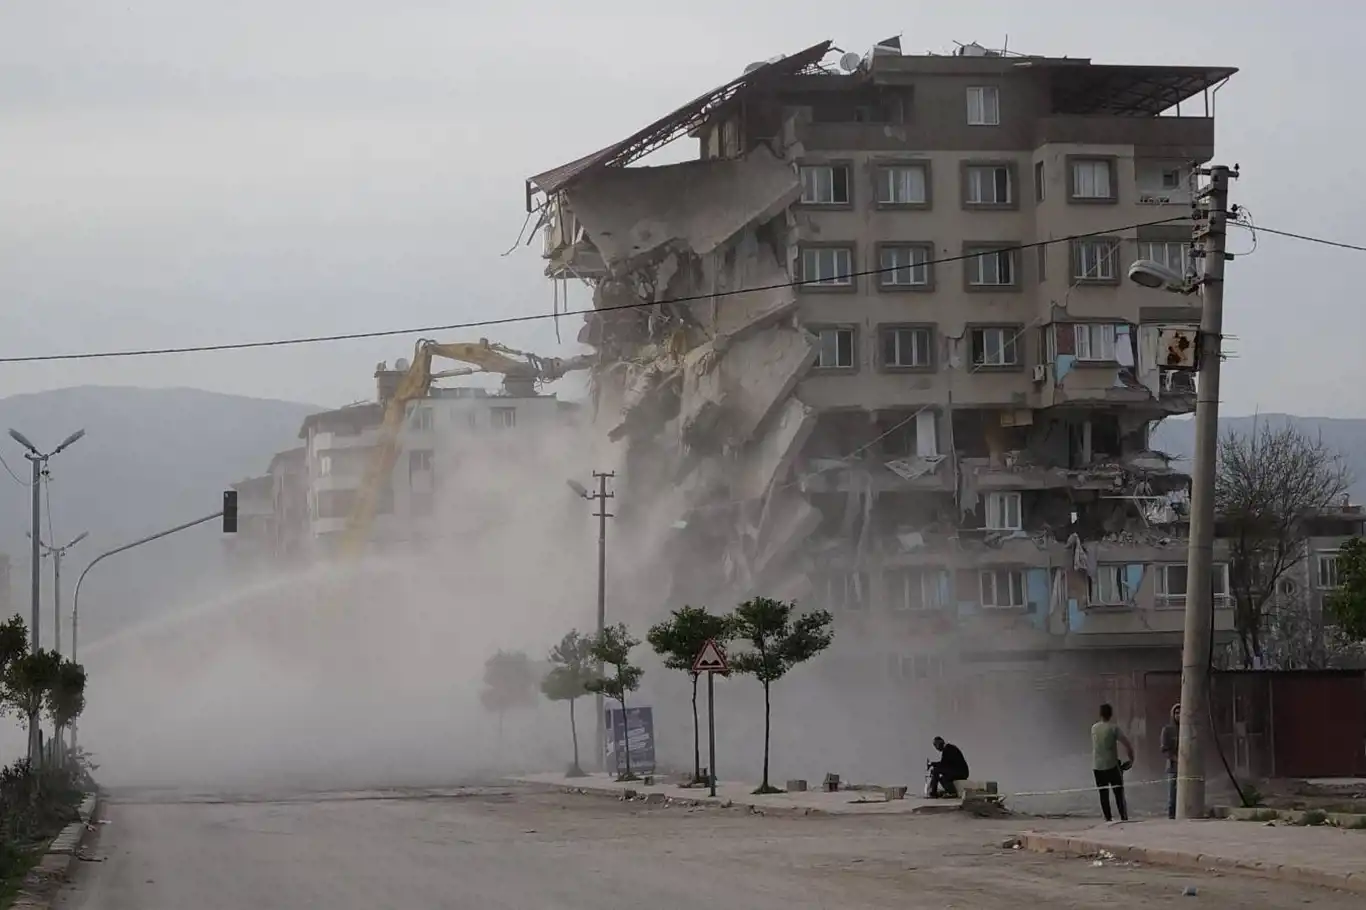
1106	737
1171	736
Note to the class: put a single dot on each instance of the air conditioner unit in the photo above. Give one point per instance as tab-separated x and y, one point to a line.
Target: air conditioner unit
1040	372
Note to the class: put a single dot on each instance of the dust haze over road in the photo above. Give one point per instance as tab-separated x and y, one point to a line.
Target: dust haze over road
493	848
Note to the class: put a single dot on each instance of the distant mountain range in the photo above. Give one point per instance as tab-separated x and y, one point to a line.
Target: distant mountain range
150	459
153	458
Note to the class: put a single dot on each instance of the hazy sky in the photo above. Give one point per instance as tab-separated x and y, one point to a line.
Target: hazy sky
179	172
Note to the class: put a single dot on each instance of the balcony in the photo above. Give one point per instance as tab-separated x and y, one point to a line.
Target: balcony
565	245
1181	138
331	440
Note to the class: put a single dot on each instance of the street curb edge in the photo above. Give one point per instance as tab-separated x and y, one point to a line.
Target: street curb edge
1300	875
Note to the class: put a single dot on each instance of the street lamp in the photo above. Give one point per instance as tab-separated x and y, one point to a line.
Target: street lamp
57	554
39	461
601	497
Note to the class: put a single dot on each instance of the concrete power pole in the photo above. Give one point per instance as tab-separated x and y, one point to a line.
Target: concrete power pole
601	496
1195	649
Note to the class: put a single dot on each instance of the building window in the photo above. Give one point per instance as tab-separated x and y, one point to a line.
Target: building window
1038	181
1003	588
909	347
835	349
419	460
831	266
503	418
1041	252
1174	254
1172	178
843	590
984	106
1110	585
904	266
994	347
903	184
991	268
990	184
325	466
1003	511
825	184
1328	570
1095	341
913	589
1171	584
915	667
1092	179
1095	261
421	419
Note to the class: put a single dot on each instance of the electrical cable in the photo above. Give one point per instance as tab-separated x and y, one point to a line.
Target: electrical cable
1209	701
10	471
1305	237
511	320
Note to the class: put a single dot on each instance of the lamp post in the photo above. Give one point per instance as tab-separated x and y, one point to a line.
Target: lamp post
600	496
39	460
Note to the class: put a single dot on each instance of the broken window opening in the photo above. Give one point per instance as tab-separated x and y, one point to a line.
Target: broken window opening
825	184
1110	586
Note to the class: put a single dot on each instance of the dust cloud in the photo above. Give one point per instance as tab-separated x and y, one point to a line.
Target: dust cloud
369	675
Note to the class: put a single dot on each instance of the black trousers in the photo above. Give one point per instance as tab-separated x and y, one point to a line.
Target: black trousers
943	780
1112	779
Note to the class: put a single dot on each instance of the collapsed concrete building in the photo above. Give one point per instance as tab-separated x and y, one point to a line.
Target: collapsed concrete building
873	350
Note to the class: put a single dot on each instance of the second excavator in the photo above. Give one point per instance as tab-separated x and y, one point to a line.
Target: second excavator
520	370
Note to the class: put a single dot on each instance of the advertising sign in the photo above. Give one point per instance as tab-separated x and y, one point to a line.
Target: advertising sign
642	726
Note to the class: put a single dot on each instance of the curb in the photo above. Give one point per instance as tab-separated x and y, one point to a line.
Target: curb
1300	875
1349	820
656	798
44	880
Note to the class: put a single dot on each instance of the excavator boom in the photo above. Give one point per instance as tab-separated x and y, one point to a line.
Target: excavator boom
485	357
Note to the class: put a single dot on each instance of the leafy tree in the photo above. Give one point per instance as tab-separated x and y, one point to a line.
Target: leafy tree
679	640
13	640
613	647
1269	484
572	668
779	641
509	684
66	698
1346	605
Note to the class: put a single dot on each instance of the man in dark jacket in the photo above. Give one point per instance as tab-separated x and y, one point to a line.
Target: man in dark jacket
1171	739
950	768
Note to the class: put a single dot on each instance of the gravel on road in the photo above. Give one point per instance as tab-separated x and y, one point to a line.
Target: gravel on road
495	848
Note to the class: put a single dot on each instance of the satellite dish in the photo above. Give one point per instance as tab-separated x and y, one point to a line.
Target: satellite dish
850	61
401	365
755	65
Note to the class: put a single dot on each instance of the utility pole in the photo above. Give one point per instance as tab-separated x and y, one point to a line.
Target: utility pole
39	461
600	496
1210	233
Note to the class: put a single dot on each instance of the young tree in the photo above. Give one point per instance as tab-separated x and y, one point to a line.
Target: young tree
780	641
1346	605
572	668
66	698
509	683
613	647
1269	483
679	640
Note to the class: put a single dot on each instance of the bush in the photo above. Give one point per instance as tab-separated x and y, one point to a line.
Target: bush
35	805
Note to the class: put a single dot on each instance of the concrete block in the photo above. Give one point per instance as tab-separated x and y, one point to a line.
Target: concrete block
832	783
895	793
796	785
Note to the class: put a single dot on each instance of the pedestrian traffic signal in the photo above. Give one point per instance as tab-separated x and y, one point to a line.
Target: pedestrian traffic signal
229	511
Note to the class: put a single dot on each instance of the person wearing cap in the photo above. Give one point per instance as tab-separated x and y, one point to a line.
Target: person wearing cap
1171	739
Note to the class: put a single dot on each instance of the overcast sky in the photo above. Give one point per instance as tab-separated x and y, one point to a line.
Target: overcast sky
179	172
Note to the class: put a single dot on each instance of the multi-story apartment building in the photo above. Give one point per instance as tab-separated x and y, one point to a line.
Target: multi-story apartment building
907	379
254	543
288	472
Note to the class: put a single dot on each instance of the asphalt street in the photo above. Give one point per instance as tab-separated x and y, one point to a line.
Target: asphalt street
494	848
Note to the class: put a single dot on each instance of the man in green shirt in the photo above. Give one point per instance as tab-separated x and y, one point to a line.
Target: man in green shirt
1106	738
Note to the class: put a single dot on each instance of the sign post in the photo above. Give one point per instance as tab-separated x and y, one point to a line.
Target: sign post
711	660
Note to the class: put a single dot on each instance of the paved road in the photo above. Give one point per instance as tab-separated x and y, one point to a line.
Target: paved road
500	849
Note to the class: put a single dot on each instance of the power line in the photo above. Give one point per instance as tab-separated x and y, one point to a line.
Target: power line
10	471
510	320
1306	237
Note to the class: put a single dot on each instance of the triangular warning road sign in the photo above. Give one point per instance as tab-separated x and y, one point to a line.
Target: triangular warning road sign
711	659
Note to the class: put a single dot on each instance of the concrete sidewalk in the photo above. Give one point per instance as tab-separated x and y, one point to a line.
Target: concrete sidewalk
1330	857
844	802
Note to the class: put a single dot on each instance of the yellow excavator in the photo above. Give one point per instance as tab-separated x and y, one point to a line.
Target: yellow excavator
519	370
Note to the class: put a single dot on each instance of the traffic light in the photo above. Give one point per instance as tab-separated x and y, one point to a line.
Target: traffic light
229	511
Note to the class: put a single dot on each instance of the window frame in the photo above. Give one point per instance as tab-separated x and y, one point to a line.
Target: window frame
1118	573
818	330
806	286
891	330
1088	330
971	263
835	165
983	92
1323	559
881	178
495	413
1165	600
1077	248
1007	501
1144	245
925	248
1011	341
965	179
1012	576
899	600
1111	163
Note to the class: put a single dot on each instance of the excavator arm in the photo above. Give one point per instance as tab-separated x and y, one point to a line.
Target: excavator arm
485	357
